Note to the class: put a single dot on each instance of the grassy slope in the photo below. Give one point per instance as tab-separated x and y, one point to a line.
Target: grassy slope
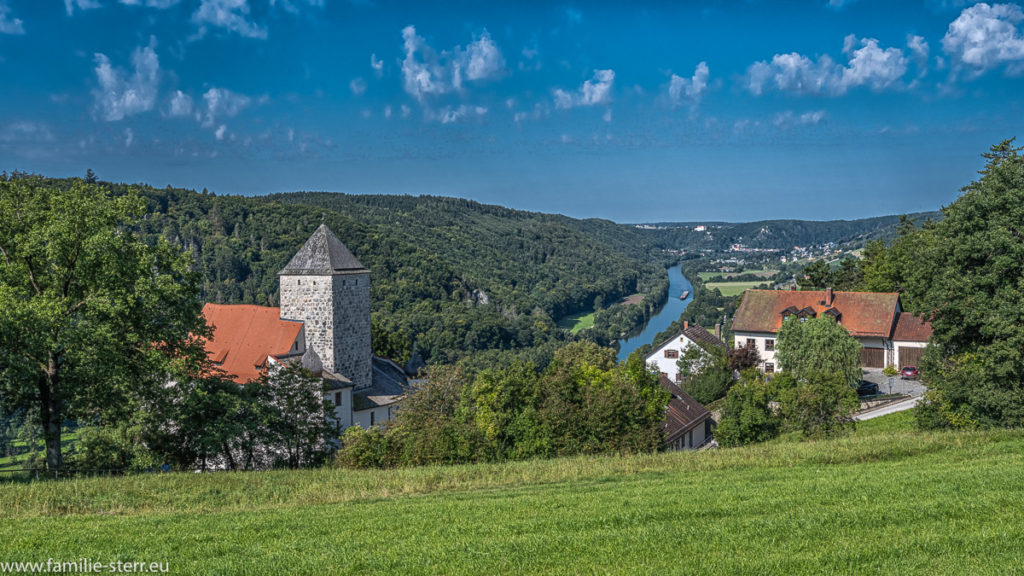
884	501
577	322
731	288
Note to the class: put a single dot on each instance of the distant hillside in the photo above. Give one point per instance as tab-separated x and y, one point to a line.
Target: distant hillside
783	234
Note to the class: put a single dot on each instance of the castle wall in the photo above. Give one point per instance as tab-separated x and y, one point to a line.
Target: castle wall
351	325
310	299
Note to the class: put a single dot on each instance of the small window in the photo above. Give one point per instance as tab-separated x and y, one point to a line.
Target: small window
300	282
356	282
751	343
769	344
671	353
337	398
371	417
769	368
344	282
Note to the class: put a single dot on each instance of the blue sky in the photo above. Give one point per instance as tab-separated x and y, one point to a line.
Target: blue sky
629	111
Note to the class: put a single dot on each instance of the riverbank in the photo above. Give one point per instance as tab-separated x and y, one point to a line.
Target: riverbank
669	312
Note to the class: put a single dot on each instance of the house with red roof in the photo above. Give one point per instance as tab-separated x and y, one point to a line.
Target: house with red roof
888	336
324	324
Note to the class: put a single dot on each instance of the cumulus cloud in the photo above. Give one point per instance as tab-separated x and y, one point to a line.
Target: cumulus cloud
221	103
868	65
159	4
129	137
377	65
220	131
122	94
689	90
9	24
71	5
180	105
232	15
985	36
357	86
919	50
597	90
426	72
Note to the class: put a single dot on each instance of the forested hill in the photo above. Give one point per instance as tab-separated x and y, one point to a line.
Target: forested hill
453	276
783	234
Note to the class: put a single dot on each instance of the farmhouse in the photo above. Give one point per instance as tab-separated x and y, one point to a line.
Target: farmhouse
323	323
888	336
664	357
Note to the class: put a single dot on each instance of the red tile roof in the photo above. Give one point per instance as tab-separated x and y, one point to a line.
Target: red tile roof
910	328
243	337
862	313
683	414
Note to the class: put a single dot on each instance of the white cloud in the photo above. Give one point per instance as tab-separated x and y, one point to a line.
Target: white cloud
129	137
290	5
869	65
181	104
607	117
357	86
597	90
220	131
406	111
426	72
159	4
689	89
70	5
387	111
25	131
121	95
450	114
985	36
9	24
377	65
919	49
232	15
788	119
220	103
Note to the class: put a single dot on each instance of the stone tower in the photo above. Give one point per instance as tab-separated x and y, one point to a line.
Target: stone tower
328	289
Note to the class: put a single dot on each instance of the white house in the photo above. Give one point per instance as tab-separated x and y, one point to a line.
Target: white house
663	358
887	335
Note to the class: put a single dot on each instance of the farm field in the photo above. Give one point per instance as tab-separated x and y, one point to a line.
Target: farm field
732	288
885	500
759	272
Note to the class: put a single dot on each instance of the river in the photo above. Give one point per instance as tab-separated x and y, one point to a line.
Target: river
668	314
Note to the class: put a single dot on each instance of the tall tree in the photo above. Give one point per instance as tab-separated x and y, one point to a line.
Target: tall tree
89	314
975	363
815	346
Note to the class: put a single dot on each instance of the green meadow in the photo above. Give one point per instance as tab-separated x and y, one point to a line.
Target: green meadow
886	500
732	288
576	322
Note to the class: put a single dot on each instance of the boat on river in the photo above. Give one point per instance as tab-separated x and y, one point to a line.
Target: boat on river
684	294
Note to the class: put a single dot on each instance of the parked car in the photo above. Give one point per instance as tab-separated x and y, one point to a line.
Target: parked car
909	373
867	389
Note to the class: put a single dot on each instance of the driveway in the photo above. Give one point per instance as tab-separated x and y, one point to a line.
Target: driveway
914	388
887	409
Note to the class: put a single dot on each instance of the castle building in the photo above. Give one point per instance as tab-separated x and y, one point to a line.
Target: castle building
324	323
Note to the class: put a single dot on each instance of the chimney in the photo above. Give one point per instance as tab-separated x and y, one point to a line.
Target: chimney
718	331
685	324
828	297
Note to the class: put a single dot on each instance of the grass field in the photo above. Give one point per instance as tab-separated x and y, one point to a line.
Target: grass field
576	322
886	500
760	272
732	288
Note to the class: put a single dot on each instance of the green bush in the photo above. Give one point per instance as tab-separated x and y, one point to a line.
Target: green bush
747	415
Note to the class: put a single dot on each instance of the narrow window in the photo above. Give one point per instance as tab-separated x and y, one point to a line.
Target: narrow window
337	398
371	417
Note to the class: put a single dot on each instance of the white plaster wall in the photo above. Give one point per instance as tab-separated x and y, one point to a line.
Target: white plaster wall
668	365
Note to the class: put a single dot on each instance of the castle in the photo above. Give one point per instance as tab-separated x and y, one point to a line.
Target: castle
324	323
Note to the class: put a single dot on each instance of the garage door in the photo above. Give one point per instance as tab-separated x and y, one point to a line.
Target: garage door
872	357
910	356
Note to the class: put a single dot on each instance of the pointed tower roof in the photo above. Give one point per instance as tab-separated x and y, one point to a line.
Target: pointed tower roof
323	253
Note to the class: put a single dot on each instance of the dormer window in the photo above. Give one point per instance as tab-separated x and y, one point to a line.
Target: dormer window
836	314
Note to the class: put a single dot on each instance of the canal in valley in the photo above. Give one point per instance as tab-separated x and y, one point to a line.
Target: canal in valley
669	313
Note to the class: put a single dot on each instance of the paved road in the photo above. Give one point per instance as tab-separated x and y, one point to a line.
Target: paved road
888	409
899	386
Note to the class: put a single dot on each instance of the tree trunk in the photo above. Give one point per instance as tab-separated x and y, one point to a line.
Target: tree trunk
50	415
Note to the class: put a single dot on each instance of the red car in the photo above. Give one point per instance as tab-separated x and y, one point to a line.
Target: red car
909	373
